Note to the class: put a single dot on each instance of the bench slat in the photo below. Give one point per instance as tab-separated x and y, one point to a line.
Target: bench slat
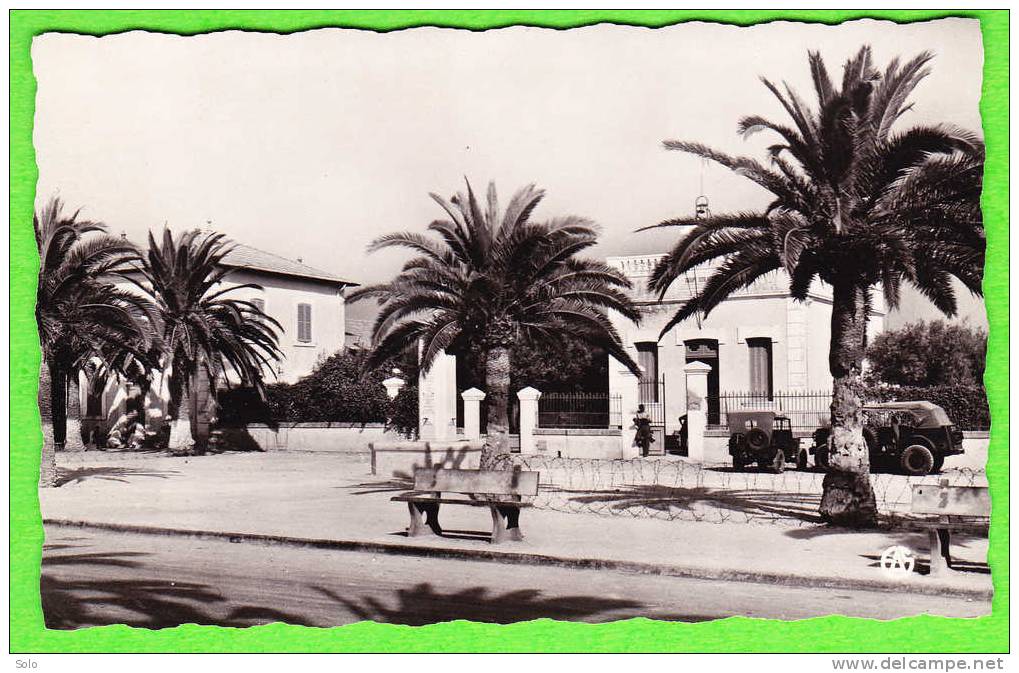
951	500
493	482
425	498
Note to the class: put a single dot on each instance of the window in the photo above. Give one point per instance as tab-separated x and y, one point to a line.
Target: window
647	358
304	323
760	366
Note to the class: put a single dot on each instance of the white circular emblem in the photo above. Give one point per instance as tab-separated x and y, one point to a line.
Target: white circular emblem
898	560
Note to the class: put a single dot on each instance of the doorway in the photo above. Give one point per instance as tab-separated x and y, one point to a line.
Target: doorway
706	351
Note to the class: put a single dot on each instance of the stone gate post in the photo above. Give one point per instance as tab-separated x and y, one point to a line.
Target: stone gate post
528	418
437	400
472	413
696	408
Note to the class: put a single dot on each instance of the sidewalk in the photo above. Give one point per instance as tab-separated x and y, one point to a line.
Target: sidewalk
332	501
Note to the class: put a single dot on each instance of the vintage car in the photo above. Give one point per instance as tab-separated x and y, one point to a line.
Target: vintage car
913	437
764	438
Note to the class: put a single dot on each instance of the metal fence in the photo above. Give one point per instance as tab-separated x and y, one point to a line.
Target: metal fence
580	410
677	490
806	410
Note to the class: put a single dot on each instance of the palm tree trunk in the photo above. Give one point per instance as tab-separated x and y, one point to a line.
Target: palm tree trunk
497	383
848	497
201	389
180	419
58	421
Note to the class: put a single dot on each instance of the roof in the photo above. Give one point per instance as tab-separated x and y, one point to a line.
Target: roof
927	413
243	256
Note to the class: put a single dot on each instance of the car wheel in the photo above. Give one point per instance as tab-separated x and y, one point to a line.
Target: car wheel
917	460
801	460
870	437
939	462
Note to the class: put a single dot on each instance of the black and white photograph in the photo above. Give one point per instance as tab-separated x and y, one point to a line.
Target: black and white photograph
681	323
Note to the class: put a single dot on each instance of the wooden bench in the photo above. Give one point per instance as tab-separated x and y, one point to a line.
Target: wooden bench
499	490
949	508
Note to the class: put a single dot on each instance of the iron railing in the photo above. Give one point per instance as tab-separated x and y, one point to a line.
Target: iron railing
580	410
806	410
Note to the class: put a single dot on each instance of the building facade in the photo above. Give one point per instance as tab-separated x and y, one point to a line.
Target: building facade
759	343
308	304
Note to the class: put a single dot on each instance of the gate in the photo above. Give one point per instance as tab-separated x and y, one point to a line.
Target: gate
651	393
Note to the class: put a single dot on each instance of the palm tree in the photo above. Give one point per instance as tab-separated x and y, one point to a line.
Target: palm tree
204	332
857	204
85	314
493	279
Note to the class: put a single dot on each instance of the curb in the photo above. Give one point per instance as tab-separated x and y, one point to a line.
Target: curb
526	558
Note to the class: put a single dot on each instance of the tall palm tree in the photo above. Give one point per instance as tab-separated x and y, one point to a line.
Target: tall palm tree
204	332
492	279
857	204
85	312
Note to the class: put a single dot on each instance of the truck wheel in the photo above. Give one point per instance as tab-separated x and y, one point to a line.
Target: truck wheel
801	460
917	460
757	439
778	462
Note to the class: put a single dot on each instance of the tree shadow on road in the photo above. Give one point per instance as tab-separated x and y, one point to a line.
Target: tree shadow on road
383	486
704	503
135	600
422	604
108	473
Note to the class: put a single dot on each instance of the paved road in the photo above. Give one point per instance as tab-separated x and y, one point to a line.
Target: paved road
95	578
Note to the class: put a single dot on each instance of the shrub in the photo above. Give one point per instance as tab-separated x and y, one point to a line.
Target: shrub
933	353
337	390
404	411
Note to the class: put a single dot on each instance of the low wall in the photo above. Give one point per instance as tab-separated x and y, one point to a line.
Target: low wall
326	437
397	460
581	443
974	444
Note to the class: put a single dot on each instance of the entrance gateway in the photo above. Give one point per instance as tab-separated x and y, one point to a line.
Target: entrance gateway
706	351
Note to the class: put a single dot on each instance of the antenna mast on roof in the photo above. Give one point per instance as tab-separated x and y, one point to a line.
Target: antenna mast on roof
702	211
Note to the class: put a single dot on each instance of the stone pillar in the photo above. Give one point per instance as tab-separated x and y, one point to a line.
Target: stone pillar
437	400
472	413
528	418
696	408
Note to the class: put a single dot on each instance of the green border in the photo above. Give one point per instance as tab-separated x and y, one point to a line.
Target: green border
829	634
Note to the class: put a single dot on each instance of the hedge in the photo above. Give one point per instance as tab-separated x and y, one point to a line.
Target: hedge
337	391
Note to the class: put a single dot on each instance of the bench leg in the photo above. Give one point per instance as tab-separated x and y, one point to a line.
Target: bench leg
505	524
427	525
941	558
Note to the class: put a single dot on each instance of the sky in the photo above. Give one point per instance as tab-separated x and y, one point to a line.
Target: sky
311	145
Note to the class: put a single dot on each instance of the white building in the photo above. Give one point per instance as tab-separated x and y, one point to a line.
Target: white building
759	342
307	302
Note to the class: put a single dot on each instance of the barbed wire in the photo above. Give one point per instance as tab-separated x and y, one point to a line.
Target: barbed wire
676	489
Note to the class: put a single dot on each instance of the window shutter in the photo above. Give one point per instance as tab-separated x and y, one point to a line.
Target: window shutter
647	358
760	366
304	323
